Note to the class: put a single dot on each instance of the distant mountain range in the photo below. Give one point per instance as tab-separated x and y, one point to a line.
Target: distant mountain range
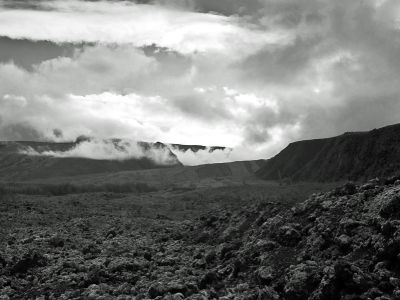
26	160
16	162
351	156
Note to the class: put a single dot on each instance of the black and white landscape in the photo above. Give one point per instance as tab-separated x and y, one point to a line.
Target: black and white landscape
199	149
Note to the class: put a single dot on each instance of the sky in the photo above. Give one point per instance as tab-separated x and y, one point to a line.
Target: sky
253	75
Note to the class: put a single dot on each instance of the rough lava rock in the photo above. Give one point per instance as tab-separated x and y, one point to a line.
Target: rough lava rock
343	244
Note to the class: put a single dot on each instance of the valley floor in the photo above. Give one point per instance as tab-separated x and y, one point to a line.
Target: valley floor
238	242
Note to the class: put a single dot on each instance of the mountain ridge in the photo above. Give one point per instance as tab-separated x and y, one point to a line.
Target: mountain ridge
26	159
350	156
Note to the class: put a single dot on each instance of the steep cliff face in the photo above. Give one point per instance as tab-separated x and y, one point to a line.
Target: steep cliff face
354	156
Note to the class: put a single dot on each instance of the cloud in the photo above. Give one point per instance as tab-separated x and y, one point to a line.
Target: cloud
222	7
340	74
110	150
273	141
143	118
139	25
203	156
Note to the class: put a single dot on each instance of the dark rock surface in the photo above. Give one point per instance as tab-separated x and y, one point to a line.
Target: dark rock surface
343	244
352	156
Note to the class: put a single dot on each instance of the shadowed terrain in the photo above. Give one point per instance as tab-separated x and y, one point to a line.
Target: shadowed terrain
15	164
223	174
353	155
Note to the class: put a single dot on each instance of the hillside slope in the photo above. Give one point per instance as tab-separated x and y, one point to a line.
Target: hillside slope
16	164
210	175
354	156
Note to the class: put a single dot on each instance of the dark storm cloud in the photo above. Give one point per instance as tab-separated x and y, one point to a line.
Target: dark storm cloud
19	132
223	7
23	4
355	26
201	107
350	47
282	65
307	19
363	29
226	7
173	62
360	114
383	110
26	53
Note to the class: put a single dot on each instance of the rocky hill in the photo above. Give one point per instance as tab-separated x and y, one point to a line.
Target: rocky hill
354	156
343	244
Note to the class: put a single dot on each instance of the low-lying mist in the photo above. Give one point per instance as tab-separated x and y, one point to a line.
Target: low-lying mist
110	150
203	156
126	149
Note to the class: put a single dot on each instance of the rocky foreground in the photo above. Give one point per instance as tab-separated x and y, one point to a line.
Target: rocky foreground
344	244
